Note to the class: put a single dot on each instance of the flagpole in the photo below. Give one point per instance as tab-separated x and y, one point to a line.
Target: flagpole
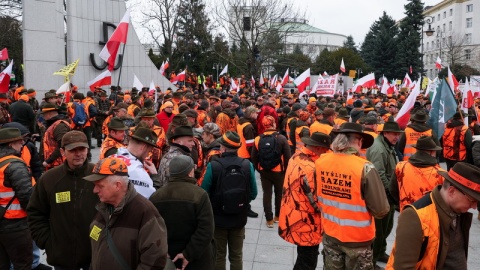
120	72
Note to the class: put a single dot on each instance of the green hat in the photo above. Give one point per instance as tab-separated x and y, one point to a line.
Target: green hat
465	177
146	113
116	124
135	98
145	135
317	139
49	95
230	140
49	107
348	127
426	143
182	131
10	135
392	127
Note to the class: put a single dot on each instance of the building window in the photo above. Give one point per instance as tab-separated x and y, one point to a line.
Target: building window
468	38
444	14
470	8
247	26
444	28
437	44
451	12
433	19
444	42
427	46
469	22
450	26
438	17
468	54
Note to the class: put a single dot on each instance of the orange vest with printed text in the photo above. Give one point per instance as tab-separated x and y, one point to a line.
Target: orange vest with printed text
242	151
415	182
344	212
428	216
454	143
411	137
15	210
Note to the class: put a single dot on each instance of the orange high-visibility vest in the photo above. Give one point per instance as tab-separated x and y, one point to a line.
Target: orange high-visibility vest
15	210
108	144
411	137
299	130
242	151
278	168
320	127
131	110
287	129
415	182
431	234
454	143
339	121
344	212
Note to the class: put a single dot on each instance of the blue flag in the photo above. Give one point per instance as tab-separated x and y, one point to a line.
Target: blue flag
443	108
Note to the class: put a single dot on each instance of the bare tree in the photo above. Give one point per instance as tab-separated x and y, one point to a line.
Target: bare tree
11	8
458	49
258	26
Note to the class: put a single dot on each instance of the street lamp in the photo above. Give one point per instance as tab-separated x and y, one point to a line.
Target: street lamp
358	70
217	67
429	32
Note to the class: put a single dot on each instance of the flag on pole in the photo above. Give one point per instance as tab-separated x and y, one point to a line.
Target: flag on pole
342	66
136	83
105	78
272	81
252	81
64	88
262	81
152	89
224	70
365	81
438	63
407	81
162	69
233	85
411	69
68	70
443	108
285	78
385	86
302	81
467	100
452	81
5	78
403	115
325	74
180	77
109	52
279	87
4	54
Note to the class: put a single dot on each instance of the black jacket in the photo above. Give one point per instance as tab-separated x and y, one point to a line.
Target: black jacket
22	112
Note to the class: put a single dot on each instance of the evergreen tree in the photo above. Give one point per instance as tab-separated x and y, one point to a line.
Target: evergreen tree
409	40
330	62
350	44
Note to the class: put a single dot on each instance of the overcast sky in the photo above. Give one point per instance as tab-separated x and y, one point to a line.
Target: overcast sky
347	17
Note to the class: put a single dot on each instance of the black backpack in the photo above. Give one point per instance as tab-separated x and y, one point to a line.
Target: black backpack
268	155
232	186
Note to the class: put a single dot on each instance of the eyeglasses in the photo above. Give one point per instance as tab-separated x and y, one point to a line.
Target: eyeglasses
470	199
168	107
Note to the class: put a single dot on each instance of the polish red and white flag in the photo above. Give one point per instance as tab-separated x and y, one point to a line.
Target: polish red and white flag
5	76
105	78
262	81
438	63
342	66
180	77
365	81
4	54
285	78
302	81
109	52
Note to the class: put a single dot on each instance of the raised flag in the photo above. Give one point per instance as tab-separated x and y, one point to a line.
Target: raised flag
325	74
285	78
109	52
5	76
152	89
279	87
302	81
411	69
403	115
262	81
224	70
162	69
443	108
252	81
438	63
365	81
452	81
105	78
4	54
64	88
272	81
407	81
233	85
68	70
467	100
342	66
136	83
180	77
385	86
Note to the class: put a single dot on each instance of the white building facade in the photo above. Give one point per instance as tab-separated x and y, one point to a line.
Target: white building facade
457	34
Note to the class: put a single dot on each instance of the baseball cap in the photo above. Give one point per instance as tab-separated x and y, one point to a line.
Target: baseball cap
106	167
74	139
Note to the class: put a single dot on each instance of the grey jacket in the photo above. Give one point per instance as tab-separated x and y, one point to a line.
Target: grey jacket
384	158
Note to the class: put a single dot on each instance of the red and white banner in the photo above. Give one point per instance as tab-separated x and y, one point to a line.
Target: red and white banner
365	81
467	100
273	81
327	87
452	81
386	88
109	52
302	81
5	76
105	78
180	77
407	81
64	88
438	63
4	54
285	78
403	115
164	67
342	66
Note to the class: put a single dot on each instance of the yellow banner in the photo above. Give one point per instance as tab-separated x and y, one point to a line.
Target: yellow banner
352	73
68	70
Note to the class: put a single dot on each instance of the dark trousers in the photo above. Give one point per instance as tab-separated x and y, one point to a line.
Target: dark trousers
272	182
383	228
233	239
16	247
98	130
307	258
450	163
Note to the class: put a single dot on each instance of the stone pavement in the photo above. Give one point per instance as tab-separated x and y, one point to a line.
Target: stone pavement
264	249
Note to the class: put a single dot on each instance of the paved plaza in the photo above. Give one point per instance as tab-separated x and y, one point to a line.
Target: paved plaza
264	249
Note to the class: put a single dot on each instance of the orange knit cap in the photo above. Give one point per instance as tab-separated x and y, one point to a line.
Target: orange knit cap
268	122
127	98
24	97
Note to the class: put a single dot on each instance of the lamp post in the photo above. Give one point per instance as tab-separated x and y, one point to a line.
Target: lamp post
358	70
429	32
217	67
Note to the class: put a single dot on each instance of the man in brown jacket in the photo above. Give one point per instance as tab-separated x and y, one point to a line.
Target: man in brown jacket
136	235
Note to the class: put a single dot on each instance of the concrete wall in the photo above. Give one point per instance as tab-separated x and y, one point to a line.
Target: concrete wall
44	44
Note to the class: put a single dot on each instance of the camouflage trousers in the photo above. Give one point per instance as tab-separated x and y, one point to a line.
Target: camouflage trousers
336	256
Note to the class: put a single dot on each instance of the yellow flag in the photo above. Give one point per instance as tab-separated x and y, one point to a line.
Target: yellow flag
424	82
68	70
352	73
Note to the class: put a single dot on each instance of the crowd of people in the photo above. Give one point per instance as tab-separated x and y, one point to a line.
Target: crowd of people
177	172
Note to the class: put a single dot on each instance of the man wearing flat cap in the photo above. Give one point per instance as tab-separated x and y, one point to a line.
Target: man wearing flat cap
136	235
63	205
350	197
433	232
15	191
141	171
418	175
190	235
115	139
299	221
383	156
